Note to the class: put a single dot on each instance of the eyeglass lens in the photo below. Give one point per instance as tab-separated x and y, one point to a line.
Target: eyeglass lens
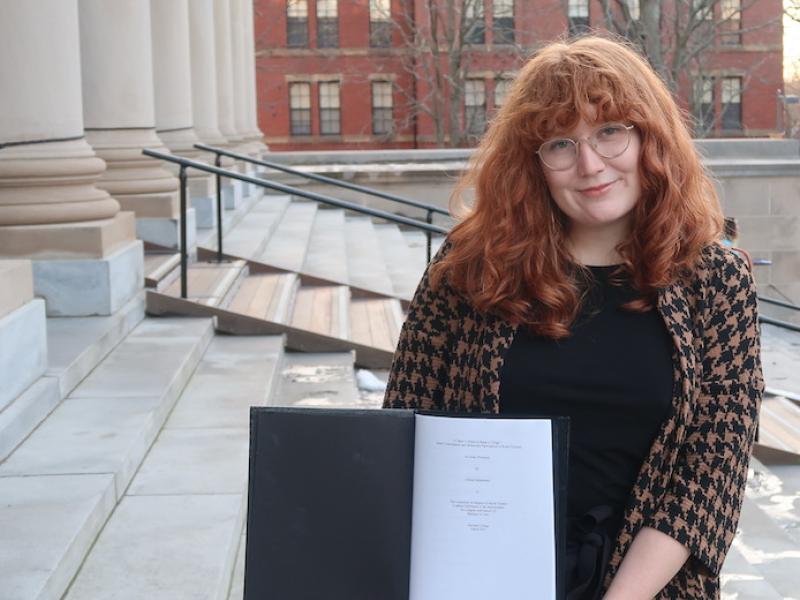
609	141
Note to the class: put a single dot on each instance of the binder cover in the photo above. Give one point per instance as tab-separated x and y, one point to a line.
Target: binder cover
330	503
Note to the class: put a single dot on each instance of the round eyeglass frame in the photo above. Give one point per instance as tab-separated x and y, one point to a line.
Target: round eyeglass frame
593	146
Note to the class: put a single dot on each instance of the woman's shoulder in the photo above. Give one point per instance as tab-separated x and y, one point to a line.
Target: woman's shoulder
723	268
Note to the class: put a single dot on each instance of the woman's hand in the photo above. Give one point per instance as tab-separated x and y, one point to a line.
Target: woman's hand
651	561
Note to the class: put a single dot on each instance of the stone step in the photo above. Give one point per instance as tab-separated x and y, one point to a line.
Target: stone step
161	269
210	283
75	345
22	416
251	234
366	266
418	243
741	580
176	532
776	490
399	258
90	445
23	349
287	247
780	357
234	214
780	424
768	549
327	251
376	322
323	309
269	296
322	379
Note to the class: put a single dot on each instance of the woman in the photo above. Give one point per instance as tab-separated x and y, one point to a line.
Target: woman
588	281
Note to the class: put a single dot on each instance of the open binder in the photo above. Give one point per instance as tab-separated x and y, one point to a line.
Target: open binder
404	505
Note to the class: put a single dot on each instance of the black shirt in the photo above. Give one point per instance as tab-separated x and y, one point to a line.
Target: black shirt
612	376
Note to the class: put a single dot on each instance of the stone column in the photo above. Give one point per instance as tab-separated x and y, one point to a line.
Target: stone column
86	259
224	65
172	79
253	131
226	90
205	105
119	115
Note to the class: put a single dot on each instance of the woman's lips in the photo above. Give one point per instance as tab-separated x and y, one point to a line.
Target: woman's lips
597	190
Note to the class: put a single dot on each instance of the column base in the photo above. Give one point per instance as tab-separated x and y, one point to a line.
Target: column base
90	239
167	232
81	288
205	212
232	195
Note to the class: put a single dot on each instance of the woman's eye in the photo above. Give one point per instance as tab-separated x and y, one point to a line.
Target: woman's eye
557	145
610	130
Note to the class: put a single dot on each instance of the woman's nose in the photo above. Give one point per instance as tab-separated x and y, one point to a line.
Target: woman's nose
589	161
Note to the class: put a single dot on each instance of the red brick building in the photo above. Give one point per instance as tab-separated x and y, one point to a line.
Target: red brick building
366	74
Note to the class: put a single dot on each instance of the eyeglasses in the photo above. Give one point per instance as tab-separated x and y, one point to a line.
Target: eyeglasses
608	141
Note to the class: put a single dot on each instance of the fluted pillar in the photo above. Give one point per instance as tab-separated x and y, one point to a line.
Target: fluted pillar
119	113
51	209
172	78
224	65
238	70
253	132
204	72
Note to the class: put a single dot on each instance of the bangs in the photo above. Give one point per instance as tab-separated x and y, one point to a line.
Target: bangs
575	87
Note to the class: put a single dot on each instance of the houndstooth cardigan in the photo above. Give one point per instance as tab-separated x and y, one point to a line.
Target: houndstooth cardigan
691	485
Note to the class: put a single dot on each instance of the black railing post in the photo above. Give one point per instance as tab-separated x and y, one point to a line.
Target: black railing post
218	163
184	250
429	220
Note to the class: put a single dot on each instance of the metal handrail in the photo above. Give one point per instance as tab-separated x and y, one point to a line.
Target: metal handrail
429	209
185	163
777	302
778	323
323	179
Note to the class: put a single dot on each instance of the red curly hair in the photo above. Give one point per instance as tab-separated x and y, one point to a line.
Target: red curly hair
509	254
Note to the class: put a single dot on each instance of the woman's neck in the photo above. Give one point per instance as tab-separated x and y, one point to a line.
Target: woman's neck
596	247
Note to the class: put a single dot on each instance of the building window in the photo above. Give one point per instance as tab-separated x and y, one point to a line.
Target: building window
474	106
731	22
501	87
474	22
327	24
297	23
300	108
633	9
503	21
732	103
382	118
578	16
380	23
703	10
329	111
704	103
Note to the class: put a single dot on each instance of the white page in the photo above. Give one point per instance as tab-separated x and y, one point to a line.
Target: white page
483	522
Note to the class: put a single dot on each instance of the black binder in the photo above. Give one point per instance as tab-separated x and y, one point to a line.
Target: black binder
330	500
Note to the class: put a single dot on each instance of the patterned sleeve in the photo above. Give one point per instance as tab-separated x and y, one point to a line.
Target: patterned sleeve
419	368
701	507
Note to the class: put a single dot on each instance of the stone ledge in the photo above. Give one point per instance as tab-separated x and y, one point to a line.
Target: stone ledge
23	350
16	285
